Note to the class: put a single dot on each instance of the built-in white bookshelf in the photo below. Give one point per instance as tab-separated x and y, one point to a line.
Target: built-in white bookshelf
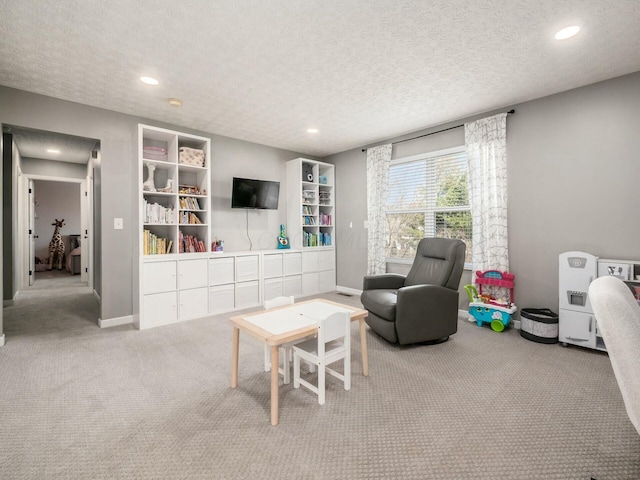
310	203
175	218
175	192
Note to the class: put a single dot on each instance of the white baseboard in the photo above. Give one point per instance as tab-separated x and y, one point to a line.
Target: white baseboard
95	294
464	315
2	340
114	322
350	291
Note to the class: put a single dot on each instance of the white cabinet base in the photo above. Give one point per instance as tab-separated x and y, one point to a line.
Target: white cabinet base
193	303
159	309
247	294
222	299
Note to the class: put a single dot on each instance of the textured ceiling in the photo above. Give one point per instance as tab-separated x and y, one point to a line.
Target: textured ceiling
34	144
358	70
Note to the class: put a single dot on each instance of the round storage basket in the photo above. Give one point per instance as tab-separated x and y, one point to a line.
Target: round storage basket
539	325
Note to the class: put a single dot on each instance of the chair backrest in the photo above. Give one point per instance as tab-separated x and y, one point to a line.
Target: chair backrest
618	316
336	326
438	261
278	302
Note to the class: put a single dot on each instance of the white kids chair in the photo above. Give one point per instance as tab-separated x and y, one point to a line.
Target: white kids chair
285	371
332	344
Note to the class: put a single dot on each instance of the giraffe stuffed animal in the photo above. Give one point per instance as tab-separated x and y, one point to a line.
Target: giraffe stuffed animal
56	247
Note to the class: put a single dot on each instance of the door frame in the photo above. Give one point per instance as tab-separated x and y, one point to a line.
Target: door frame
86	201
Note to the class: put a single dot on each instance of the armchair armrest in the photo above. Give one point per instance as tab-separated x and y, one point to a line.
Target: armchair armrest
426	312
387	281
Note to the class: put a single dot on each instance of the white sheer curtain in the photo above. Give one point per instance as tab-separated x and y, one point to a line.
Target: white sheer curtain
378	159
485	142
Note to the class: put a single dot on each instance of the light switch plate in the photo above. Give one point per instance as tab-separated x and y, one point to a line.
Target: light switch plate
118	223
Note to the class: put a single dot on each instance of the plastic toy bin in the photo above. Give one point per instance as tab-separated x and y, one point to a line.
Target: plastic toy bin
539	325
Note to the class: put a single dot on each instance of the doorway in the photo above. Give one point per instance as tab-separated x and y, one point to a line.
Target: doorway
55	229
52	177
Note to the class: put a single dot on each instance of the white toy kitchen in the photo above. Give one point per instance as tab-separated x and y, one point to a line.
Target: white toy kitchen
577	323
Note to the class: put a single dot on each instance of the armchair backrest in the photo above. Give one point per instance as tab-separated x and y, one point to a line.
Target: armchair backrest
438	261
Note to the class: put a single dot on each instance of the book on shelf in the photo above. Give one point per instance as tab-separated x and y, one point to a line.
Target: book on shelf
316	239
325	219
154	245
189	218
190	244
156	213
189	203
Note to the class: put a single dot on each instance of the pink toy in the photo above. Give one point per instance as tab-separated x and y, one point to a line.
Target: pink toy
498	279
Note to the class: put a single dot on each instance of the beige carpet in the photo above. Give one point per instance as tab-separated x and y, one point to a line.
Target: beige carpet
80	402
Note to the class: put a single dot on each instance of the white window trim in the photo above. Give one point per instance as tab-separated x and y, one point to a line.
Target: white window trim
424	156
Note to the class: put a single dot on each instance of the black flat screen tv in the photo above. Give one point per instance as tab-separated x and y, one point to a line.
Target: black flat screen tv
251	193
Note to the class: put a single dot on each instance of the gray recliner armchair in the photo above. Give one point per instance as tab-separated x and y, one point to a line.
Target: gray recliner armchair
423	306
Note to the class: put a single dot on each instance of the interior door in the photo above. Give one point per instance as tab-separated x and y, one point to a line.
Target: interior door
84	237
32	233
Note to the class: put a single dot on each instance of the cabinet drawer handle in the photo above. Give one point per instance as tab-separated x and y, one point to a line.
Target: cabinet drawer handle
577	339
590	323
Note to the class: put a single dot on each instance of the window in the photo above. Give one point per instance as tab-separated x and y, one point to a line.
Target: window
427	197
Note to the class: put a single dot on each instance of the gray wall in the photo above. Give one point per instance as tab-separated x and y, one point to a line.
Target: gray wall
118	135
36	166
574	178
7	217
56	200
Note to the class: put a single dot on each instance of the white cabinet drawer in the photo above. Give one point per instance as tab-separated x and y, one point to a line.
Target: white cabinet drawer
246	268
326	260
159	309
159	277
310	283
273	287
309	262
272	263
293	286
222	298
221	271
247	294
327	280
193	303
192	273
292	263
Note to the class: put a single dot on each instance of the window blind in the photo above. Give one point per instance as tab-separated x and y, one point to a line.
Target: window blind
428	197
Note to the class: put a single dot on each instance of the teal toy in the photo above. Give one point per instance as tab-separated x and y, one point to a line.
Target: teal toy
483	310
283	241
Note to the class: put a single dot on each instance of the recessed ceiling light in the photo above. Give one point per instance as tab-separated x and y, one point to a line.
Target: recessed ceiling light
52	150
312	130
176	102
567	32
149	80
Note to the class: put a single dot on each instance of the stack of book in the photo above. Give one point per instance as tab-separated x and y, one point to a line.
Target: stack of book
154	245
325	239
190	218
156	213
190	244
325	219
189	203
